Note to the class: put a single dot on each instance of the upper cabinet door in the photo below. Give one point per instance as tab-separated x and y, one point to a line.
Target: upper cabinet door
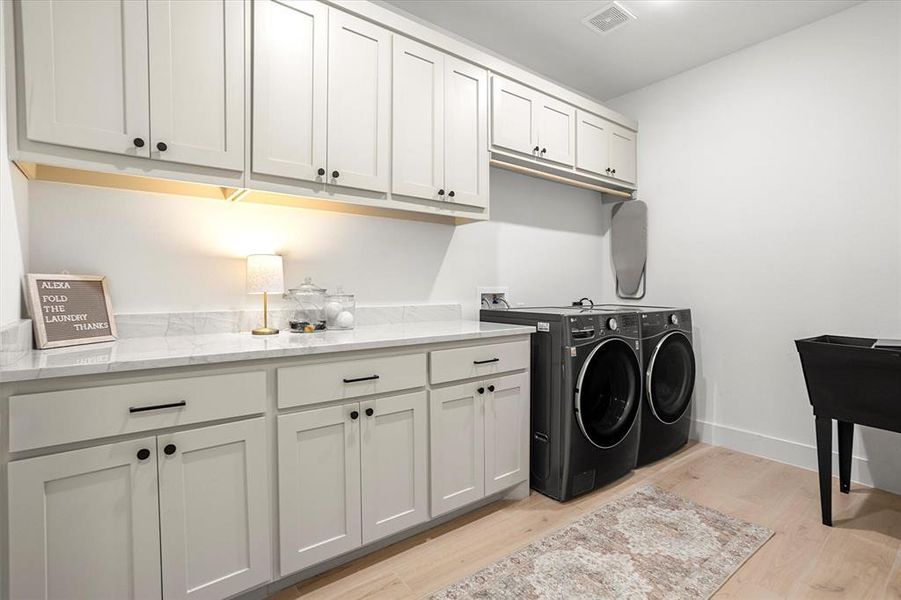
418	119
466	133
85	524
506	432
623	150
457	446
513	112
394	451
359	103
87	95
592	144
318	485
556	131
197	82
290	88
214	510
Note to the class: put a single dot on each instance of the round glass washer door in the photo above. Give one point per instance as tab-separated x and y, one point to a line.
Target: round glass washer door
608	393
671	377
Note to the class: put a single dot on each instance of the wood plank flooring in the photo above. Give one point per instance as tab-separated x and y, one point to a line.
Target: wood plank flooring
860	557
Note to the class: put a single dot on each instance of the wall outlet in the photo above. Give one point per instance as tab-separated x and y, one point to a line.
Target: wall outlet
494	297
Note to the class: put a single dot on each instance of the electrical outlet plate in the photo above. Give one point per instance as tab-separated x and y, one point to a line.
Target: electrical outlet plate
493	295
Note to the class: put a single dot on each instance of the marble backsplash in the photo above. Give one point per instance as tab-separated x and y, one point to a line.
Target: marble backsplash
15	341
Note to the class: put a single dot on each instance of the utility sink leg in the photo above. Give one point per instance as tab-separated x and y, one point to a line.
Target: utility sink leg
824	463
845	444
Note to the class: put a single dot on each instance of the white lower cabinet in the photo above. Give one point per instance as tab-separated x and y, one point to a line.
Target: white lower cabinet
349	475
95	523
507	412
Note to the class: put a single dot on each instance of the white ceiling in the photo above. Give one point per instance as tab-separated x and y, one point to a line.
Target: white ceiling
670	36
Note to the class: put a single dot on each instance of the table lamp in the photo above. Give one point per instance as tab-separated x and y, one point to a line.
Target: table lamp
265	276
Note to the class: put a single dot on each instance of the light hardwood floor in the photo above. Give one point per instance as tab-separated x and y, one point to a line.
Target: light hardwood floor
860	557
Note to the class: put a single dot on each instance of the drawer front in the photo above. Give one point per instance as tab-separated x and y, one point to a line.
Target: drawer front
322	382
51	418
479	361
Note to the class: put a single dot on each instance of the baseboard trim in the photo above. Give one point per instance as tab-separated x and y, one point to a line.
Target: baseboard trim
789	452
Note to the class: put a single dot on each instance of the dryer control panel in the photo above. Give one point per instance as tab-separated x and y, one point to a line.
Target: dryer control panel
592	326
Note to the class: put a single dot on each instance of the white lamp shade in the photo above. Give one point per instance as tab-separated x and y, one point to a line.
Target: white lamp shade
265	274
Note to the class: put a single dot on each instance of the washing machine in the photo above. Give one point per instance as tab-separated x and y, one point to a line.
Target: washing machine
668	363
586	395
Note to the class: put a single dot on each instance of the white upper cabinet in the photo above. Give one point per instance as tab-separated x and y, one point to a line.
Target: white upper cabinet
290	88
507	411
440	116
605	149
359	103
197	82
556	131
214	510
85	524
623	151
86	95
513	111
418	121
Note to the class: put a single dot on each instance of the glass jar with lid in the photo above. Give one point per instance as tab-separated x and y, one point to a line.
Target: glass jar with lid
309	307
340	310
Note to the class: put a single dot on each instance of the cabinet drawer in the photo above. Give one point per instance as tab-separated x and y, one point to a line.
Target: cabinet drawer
478	361
51	418
322	382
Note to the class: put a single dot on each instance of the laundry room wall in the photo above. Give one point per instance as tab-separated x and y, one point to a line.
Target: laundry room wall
772	179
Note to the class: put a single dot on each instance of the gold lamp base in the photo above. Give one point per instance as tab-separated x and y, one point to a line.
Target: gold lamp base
264	331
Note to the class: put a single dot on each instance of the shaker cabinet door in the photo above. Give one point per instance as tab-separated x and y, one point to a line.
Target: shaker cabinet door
513	113
456	443
86	95
290	88
318	485
394	451
214	510
359	103
197	82
466	132
593	144
556	131
507	410
418	120
85	524
623	154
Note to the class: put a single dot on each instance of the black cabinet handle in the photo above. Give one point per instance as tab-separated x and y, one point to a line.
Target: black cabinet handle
356	379
137	409
490	388
320	172
143	454
369	412
354	414
441	192
481	390
335	174
170	449
543	150
138	142
485	362
451	194
535	149
161	146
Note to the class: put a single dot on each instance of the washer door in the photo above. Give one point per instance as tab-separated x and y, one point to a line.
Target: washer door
671	377
608	393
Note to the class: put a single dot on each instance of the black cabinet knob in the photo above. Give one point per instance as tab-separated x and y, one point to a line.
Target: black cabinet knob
535	149
451	194
354	414
607	169
143	454
441	192
335	174
543	150
613	171
139	143
490	388
481	390
161	146
320	172
169	449
369	412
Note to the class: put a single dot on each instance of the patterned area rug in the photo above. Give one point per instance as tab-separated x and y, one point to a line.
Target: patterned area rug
647	544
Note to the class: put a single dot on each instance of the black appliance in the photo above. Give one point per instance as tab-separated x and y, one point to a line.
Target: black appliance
586	395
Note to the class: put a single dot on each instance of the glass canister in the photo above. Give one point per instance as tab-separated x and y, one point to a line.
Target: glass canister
309	310
340	310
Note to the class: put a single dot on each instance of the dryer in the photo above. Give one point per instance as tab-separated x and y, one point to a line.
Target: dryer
668	363
586	395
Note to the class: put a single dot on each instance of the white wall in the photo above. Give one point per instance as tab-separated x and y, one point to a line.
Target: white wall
13	215
169	253
772	179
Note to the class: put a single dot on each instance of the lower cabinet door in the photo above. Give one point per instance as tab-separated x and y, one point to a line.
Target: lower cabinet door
506	432
457	435
214	510
319	485
85	524
394	453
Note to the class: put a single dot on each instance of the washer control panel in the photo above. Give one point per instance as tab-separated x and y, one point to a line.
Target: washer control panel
593	326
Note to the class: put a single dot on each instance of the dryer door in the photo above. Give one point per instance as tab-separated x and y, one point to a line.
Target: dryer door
671	377
608	393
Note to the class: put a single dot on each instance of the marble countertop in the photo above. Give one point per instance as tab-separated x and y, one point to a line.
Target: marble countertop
178	351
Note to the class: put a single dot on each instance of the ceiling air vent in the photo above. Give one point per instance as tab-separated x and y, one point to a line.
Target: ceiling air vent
610	17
